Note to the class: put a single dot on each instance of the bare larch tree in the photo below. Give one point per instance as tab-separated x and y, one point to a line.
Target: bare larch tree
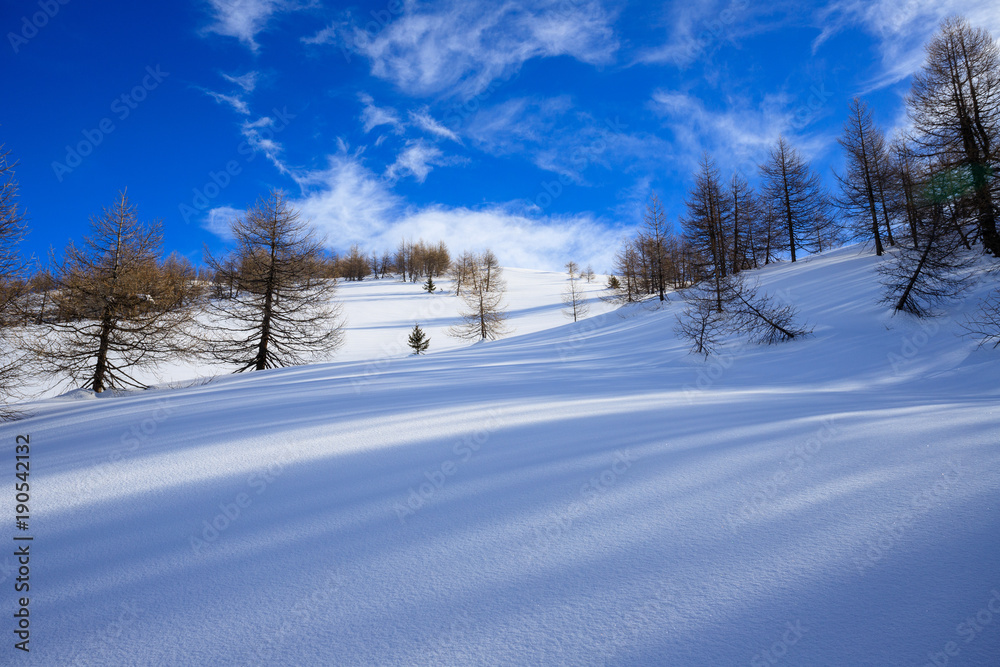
574	300
954	104
485	315
862	185
707	209
282	313
799	200
120	310
656	230
12	279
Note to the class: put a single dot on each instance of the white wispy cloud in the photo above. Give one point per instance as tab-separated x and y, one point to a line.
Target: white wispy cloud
426	122
457	47
349	203
346	200
328	35
372	116
234	101
739	134
245	19
695	30
416	159
901	28
260	136
557	136
218	220
248	81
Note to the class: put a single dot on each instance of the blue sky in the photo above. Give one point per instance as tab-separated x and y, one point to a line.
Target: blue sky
536	128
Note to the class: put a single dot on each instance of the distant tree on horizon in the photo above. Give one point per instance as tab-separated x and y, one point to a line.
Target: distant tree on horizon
461	269
573	299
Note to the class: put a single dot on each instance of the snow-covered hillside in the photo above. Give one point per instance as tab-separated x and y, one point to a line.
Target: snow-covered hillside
575	494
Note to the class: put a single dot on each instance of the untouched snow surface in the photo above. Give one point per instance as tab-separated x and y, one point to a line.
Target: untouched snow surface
575	494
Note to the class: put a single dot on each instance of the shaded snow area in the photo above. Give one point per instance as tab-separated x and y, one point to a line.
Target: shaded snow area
574	494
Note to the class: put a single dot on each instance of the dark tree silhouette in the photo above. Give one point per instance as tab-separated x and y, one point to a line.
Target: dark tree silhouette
801	205
418	340
954	104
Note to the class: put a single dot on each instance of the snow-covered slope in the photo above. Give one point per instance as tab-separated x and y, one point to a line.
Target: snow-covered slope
578	494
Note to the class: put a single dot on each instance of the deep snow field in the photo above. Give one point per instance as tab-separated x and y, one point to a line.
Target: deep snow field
573	494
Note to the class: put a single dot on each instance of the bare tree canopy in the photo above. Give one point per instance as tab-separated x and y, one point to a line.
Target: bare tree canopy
656	231
12	231
704	226
280	313
954	104
12	279
936	267
485	315
863	185
120	309
574	300
801	205
746	311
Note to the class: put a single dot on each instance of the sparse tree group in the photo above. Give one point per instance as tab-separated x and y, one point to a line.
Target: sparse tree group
946	175
112	307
